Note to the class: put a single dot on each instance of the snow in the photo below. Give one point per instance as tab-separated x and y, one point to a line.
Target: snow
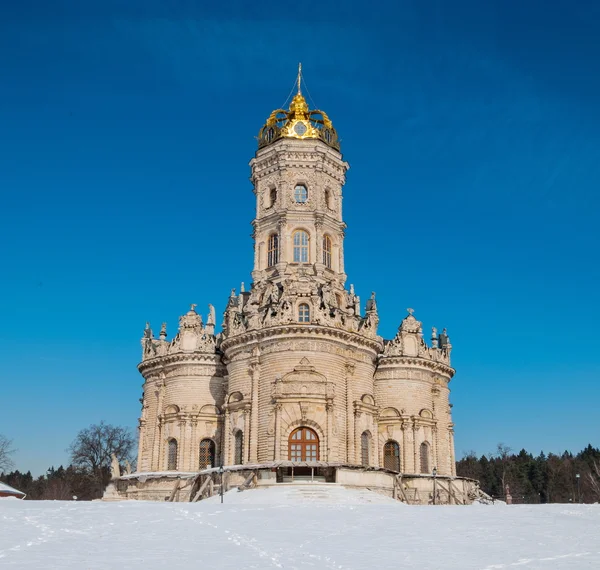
4	488
297	526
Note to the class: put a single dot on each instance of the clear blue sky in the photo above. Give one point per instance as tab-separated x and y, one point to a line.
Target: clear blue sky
473	133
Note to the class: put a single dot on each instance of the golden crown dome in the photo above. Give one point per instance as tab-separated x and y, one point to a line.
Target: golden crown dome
298	122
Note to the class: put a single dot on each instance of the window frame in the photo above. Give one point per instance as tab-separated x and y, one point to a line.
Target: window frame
301	252
300	193
304	313
273	250
327	251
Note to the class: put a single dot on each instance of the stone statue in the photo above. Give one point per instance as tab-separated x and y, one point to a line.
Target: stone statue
127	468
115	468
273	294
211	315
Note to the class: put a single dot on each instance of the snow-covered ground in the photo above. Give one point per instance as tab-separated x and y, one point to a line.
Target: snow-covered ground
310	526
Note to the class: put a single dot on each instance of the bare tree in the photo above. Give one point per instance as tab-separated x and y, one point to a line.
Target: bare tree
6	451
92	449
503	453
594	479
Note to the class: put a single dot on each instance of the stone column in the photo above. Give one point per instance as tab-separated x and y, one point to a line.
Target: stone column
451	449
350	441
141	462
417	466
277	450
341	253
182	449
329	443
404	466
284	246
194	449
375	434
246	457
318	242
161	461
226	457
254	378
357	438
157	458
434	443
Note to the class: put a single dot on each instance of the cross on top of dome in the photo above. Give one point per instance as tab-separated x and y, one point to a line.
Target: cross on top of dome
298	122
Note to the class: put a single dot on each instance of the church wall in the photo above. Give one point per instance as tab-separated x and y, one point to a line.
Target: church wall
324	407
183	404
420	404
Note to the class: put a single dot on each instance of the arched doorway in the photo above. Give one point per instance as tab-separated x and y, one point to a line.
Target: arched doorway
303	445
207	453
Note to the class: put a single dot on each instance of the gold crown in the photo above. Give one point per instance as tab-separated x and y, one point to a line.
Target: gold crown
299	122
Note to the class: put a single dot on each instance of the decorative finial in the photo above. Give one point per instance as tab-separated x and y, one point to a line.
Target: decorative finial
410	311
163	331
193	307
242	288
299	78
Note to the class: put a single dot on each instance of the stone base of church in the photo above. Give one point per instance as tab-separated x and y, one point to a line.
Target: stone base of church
409	488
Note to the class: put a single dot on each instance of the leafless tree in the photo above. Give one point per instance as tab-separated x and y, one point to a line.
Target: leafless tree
6	451
594	479
92	448
503	453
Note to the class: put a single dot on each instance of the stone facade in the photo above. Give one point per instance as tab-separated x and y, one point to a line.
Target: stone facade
295	349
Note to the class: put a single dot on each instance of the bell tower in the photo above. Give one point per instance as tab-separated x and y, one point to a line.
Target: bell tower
298	174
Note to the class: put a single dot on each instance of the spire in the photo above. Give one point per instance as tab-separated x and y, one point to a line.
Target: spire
299	78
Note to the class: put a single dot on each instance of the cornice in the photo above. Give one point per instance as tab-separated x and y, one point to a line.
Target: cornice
297	331
414	361
178	358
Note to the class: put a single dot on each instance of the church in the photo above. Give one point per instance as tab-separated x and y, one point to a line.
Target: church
297	382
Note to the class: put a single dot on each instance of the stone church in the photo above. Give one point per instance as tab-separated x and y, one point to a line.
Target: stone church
298	375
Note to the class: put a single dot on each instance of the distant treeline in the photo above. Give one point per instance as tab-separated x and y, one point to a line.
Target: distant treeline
58	484
543	479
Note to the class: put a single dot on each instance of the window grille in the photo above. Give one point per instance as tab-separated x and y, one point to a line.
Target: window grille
391	456
424	457
364	447
238	458
172	455
207	453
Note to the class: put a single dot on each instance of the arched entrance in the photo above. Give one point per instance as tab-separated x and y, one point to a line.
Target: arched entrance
303	445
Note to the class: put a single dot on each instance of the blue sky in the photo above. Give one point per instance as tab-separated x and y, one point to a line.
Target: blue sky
472	131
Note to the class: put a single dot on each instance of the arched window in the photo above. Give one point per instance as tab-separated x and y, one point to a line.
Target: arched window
424	457
172	455
300	247
273	250
327	251
300	194
303	445
391	456
272	197
238	455
207	453
303	313
365	441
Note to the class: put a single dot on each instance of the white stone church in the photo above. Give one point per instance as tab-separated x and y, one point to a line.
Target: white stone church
297	383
